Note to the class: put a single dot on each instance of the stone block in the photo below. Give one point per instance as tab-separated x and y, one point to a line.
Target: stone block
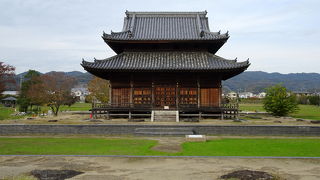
196	138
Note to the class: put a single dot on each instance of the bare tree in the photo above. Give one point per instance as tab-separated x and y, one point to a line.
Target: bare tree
99	89
54	90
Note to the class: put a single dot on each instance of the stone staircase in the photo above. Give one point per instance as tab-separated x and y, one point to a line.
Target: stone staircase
164	131
165	116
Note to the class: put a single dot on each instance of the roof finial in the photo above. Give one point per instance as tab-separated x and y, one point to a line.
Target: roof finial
248	60
227	33
219	32
236	59
199	26
132	25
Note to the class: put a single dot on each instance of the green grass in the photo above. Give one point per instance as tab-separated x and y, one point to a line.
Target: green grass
74	107
77	107
252	107
219	147
76	146
5	113
305	112
308	112
254	147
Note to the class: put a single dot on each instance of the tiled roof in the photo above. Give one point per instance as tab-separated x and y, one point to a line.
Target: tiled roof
165	26
9	99
165	61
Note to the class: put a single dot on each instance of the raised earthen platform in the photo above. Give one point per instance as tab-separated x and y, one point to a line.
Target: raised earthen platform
134	129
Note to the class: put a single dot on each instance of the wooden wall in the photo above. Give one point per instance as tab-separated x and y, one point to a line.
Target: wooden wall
166	89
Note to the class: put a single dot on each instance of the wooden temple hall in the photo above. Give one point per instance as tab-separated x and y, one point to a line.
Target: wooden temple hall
165	68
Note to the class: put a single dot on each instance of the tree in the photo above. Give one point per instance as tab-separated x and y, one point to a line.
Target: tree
70	100
99	89
54	90
314	100
25	98
279	101
6	75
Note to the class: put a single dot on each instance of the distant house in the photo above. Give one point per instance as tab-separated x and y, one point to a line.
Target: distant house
10	93
80	93
262	95
232	95
246	95
302	93
9	101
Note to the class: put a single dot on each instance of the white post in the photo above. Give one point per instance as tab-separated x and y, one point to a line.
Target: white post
177	116
152	116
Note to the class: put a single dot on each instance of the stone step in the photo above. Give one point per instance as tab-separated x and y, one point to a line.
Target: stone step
170	117
164	131
165	120
165	116
165	112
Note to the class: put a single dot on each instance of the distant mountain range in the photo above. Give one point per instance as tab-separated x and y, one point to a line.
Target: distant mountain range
253	81
81	78
257	81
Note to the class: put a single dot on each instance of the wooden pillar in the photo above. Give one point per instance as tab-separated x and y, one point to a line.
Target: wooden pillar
152	94
110	93
177	95
220	93
198	90
131	92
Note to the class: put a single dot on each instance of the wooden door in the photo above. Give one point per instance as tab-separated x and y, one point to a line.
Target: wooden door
209	97
165	96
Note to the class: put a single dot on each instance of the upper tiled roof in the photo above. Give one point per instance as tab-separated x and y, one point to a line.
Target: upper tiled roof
165	26
175	61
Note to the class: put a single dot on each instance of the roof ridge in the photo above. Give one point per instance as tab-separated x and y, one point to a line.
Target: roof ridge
166	12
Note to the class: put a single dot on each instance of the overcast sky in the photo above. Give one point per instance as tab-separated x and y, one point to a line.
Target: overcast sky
45	35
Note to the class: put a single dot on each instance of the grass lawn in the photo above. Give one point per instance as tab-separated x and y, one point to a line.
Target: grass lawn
252	107
308	112
76	146
254	147
305	112
5	113
77	107
219	147
73	107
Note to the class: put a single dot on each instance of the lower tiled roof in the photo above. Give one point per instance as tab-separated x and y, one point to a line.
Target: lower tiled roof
174	61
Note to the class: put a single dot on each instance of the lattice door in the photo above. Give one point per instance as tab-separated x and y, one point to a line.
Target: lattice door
165	96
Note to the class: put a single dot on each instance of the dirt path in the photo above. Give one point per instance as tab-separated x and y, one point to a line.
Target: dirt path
168	144
161	168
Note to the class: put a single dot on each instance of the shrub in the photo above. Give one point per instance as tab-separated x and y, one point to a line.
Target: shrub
279	101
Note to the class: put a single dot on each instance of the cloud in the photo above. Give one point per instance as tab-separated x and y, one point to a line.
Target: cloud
57	34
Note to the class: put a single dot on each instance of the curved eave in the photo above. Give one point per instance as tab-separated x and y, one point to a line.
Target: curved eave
225	72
